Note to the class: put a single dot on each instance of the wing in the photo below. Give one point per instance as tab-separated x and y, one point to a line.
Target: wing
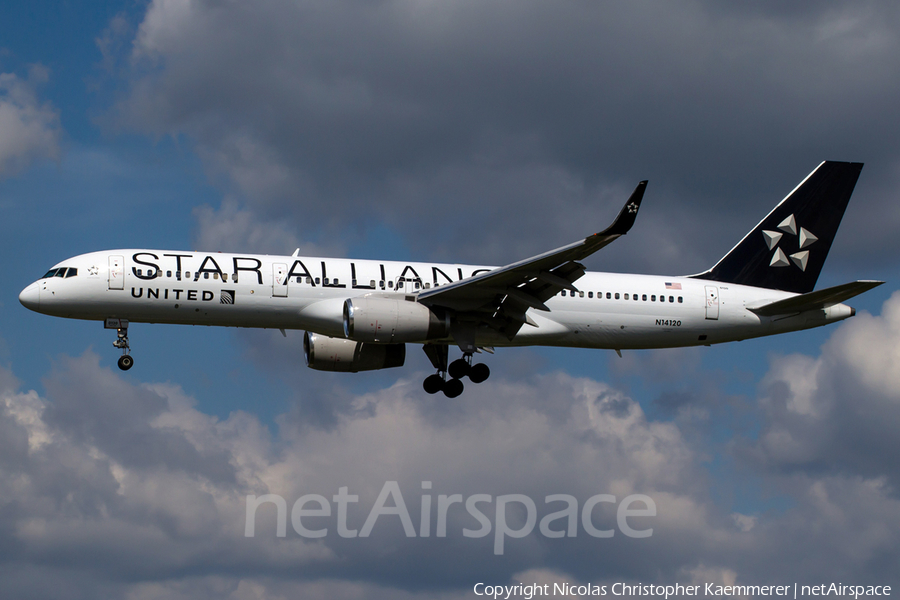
500	298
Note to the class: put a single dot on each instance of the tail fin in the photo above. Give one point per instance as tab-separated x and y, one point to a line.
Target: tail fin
787	250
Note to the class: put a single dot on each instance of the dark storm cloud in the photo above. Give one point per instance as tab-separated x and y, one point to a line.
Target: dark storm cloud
455	122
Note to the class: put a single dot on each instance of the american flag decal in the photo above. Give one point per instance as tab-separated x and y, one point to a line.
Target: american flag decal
673	286
227	297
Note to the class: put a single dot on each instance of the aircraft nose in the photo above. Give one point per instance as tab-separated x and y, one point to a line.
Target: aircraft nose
31	296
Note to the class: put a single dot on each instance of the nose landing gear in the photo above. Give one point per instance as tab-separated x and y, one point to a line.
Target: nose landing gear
125	361
458	369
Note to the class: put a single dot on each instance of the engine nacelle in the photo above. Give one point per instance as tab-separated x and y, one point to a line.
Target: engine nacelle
325	353
389	320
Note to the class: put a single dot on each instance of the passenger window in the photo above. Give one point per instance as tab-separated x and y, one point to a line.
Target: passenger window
225	277
187	274
581	294
299	279
390	284
309	280
427	286
234	278
317	281
626	296
634	296
325	281
372	283
644	297
680	299
168	273
71	272
381	284
417	285
617	296
653	298
140	272
608	295
671	298
662	298
216	275
590	294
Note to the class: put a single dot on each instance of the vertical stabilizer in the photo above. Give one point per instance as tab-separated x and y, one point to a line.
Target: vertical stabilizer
787	250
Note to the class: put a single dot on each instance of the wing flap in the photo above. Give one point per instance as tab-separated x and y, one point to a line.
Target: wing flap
815	300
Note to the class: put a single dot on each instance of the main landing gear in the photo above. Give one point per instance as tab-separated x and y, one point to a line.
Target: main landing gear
121	326
458	369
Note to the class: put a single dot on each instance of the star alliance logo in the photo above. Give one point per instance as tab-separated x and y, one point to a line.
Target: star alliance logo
632	207
779	258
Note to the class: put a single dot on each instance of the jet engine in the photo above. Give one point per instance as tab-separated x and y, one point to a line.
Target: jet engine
389	320
325	353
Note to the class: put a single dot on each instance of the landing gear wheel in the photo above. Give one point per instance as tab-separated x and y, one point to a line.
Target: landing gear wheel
453	388
459	368
126	362
479	373
433	383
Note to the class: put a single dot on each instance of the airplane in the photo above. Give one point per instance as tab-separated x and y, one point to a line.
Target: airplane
358	315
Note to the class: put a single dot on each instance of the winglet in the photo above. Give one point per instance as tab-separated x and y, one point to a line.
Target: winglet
628	214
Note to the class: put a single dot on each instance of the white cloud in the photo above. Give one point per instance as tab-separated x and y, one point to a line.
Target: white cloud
134	479
837	411
231	228
29	129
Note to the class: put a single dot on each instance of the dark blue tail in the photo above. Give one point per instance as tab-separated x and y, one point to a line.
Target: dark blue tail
787	250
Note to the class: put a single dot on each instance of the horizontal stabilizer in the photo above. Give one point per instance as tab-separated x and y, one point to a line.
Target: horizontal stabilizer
815	300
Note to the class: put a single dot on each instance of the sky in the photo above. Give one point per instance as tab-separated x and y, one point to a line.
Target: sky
463	131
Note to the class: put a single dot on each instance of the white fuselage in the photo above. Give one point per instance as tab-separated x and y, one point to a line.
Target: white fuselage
610	310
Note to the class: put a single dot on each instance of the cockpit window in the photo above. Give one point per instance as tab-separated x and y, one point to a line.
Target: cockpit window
61	272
